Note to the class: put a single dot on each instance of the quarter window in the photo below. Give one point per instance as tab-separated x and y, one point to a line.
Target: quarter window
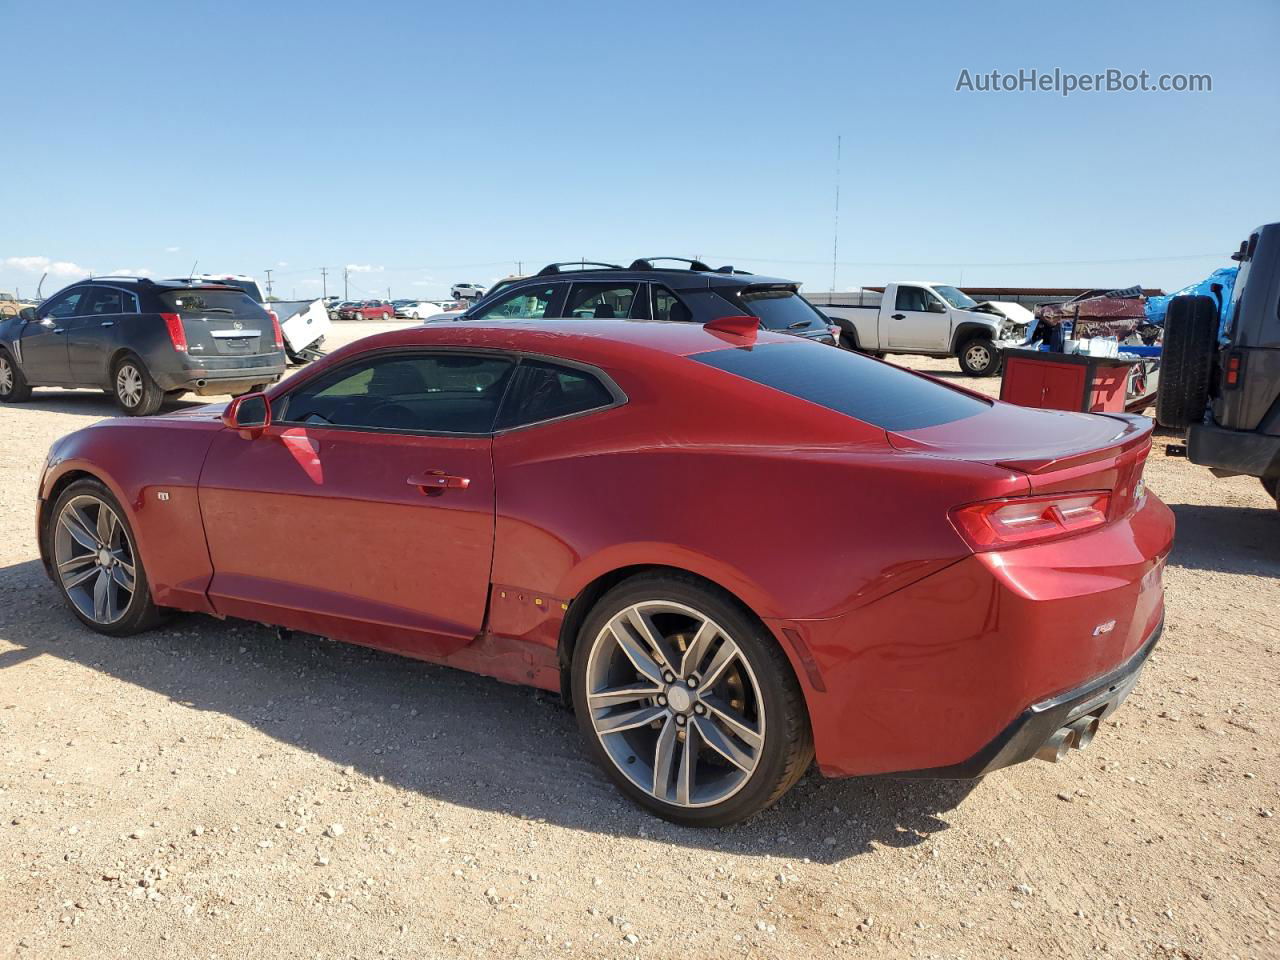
524	304
424	393
546	391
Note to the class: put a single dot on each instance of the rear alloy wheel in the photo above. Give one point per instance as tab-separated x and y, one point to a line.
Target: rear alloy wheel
13	385
687	703
135	392
978	357
95	562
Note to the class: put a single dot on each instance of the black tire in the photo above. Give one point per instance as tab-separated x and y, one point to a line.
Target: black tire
13	385
141	613
787	748
1186	361
978	357
149	395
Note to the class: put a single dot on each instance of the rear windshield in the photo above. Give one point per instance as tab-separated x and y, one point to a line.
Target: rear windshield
876	393
212	303
781	309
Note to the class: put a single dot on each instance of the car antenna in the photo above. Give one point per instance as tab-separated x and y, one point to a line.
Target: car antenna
192	275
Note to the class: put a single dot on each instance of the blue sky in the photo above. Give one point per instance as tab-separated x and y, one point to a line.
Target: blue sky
427	143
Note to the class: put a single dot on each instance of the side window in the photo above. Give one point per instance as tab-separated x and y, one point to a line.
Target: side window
433	393
525	303
911	298
130	303
667	306
66	305
101	301
544	391
600	301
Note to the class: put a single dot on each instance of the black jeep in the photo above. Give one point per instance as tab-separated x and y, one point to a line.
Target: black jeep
1223	385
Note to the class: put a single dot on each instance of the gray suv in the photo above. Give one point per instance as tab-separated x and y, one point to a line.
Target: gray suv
142	341
1220	368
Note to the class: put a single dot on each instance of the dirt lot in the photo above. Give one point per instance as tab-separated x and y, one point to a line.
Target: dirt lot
209	790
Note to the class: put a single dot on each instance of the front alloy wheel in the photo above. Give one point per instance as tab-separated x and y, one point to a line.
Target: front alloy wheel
95	559
690	706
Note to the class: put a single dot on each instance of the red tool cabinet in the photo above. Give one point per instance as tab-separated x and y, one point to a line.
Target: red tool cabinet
1065	381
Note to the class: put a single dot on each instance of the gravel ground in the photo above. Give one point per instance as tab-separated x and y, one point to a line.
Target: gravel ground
210	790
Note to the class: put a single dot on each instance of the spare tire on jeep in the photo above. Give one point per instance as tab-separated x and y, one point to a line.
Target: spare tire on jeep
1186	360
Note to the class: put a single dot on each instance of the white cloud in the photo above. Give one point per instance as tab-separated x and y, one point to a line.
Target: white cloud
172	249
131	272
364	268
282	263
55	268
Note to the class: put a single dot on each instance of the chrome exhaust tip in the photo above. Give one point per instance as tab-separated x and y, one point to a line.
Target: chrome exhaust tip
1057	746
1084	730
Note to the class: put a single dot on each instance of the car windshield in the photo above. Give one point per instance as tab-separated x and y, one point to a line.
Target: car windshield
954	297
877	393
781	308
211	303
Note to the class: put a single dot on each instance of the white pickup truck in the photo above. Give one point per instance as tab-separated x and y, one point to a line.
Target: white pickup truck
918	317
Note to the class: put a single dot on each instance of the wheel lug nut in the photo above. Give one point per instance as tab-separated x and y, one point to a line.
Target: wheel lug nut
680	720
691	683
699	709
669	677
662	701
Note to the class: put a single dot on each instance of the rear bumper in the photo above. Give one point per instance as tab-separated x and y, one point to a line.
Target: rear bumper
930	677
219	375
1239	451
1036	725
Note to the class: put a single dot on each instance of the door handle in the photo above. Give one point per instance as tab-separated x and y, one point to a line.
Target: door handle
57	330
437	480
108	323
899	316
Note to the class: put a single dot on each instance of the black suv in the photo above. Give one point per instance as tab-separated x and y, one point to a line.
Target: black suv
693	293
1223	385
142	341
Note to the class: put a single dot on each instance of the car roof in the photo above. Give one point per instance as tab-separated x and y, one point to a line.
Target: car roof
588	341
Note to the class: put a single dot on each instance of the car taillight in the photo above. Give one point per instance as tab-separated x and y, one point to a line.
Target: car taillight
1016	521
275	327
1234	365
173	323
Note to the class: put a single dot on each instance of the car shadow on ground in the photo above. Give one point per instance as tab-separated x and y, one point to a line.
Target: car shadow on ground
1227	539
95	403
454	736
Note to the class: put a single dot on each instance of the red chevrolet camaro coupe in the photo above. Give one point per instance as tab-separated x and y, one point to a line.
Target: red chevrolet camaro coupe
731	550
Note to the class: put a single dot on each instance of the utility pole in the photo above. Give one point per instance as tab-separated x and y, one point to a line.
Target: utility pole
388	293
345	275
324	281
268	273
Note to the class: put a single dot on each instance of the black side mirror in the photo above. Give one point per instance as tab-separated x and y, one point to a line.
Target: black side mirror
27	313
937	306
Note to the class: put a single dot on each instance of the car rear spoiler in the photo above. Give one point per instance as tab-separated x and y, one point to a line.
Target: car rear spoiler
1136	432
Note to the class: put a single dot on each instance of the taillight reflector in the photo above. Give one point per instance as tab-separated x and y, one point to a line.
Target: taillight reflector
173	323
275	326
1017	521
1233	370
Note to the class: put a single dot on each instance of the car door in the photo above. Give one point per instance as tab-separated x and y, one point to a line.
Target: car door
365	510
93	332
44	340
913	323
